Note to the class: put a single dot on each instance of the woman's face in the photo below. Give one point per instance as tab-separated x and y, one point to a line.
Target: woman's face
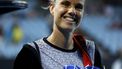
67	13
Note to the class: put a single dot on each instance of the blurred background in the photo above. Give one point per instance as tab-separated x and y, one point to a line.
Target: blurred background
102	23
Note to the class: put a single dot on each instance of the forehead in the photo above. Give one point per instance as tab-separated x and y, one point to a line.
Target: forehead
72	1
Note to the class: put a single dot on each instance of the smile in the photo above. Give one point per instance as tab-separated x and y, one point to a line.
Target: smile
69	19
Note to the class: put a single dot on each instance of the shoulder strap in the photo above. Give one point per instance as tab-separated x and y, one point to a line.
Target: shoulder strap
80	43
38	52
37	48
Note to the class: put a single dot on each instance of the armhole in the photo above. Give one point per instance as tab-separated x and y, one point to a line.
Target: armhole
38	52
37	48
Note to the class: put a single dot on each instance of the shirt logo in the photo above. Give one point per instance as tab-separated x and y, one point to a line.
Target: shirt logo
78	67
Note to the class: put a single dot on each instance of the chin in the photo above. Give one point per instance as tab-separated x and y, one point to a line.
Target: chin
68	29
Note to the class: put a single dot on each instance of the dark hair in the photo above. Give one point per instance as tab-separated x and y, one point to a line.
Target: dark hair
44	3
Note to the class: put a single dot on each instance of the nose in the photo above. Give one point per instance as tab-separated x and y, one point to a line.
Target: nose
72	11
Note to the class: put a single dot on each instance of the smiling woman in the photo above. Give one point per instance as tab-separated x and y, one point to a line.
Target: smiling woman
61	49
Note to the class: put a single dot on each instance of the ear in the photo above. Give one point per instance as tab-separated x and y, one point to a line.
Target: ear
51	8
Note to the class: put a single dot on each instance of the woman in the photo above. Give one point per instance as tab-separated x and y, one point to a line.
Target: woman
62	48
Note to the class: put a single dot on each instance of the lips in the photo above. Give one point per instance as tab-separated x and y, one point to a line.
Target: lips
70	19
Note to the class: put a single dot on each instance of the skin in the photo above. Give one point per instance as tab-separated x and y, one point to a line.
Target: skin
67	15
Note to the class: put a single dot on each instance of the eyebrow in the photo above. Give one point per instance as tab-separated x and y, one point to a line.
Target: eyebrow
66	1
69	1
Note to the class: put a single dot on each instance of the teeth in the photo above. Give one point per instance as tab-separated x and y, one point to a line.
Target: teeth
70	19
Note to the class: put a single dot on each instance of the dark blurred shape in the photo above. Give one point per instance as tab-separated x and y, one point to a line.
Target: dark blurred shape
44	3
1	31
114	2
8	6
116	25
6	63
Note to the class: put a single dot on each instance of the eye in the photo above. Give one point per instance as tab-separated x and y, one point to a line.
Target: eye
79	7
65	3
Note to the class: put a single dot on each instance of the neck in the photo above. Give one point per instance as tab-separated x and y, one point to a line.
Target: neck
61	40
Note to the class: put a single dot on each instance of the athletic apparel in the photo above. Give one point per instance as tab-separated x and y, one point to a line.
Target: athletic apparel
52	57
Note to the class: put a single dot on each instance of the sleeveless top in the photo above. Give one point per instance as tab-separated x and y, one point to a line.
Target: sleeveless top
53	57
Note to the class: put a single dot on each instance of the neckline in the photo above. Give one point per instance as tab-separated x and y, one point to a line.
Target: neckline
58	48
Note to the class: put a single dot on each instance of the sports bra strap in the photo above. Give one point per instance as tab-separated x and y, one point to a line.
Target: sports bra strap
38	52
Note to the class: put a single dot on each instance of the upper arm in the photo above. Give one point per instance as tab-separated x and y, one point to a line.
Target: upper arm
27	58
97	58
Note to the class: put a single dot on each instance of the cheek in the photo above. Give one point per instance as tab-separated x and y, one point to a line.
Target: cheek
59	12
57	15
80	15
